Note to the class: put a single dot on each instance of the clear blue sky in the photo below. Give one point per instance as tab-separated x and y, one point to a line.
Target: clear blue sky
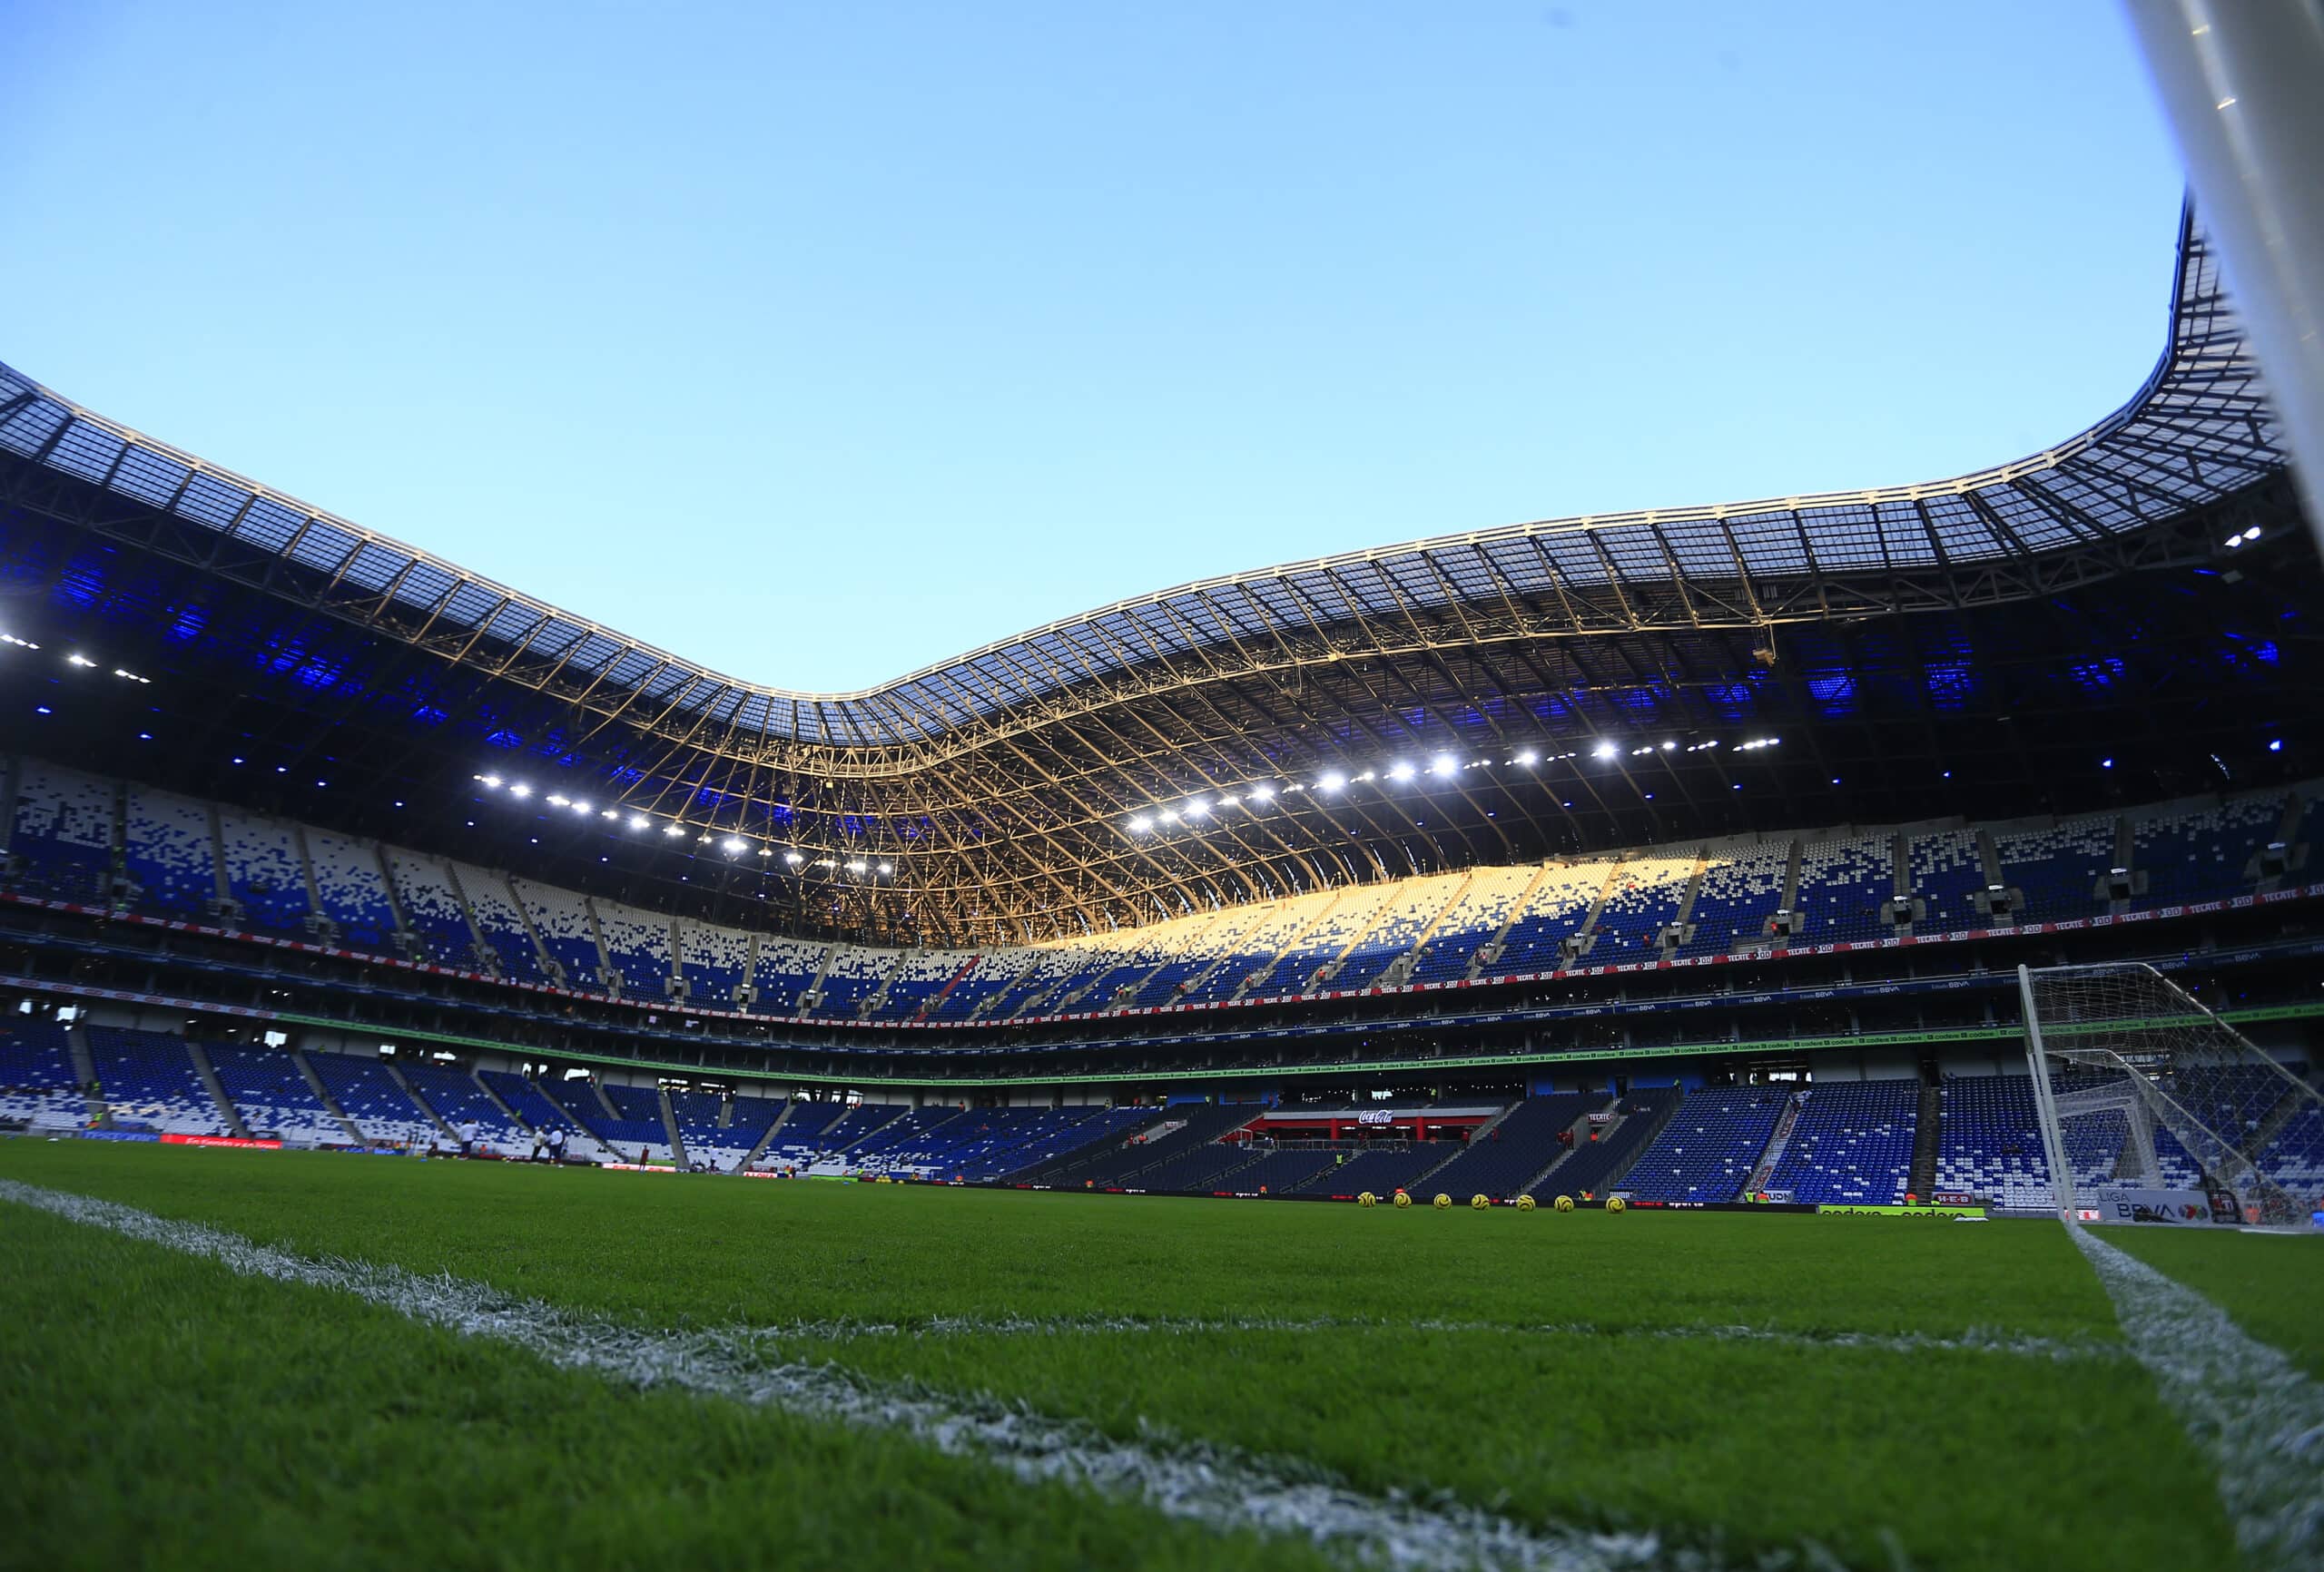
823	343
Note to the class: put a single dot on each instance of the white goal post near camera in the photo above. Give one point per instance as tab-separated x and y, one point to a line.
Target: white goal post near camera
2153	1109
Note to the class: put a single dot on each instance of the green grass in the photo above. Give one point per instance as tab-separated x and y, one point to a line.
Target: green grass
2270	1283
1752	1446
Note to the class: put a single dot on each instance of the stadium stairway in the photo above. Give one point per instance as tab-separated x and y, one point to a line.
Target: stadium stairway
395	1074
85	1075
514	1118
209	1074
330	1103
1598	1166
1580	1127
1112	1152
670	1128
755	1153
1765	1168
1927	1142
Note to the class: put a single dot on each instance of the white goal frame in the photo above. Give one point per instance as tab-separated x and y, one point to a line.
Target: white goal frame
2188	1040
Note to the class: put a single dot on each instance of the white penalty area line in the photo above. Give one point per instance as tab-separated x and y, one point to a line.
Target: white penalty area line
2260	1417
1214	1486
937	1327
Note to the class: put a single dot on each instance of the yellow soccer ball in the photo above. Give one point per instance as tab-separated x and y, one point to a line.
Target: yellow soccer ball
1616	1203
1367	1199
1442	1203
1524	1203
1403	1200
1479	1203
1564	1203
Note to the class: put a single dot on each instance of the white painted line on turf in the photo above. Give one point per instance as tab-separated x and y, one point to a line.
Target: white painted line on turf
1976	1340
1210	1485
2260	1417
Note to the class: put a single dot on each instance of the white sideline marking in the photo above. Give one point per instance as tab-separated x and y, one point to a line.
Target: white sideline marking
1215	1486
1975	1340
2260	1417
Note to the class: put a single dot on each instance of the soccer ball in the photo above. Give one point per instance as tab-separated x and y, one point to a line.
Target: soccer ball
1564	1203
1442	1203
1403	1200
1367	1199
1479	1203
1524	1203
1616	1203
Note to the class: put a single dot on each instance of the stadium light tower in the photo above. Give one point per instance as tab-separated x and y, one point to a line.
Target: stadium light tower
2243	86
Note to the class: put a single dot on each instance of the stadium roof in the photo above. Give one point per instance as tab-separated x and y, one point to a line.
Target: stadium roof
1007	776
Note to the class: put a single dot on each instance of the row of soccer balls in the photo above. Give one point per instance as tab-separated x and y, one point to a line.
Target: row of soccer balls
1443	1203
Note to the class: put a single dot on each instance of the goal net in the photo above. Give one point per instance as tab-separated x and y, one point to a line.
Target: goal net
2144	1095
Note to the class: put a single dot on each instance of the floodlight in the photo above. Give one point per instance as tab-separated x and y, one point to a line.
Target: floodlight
1528	758
1400	771
1604	750
733	844
792	859
673	830
520	790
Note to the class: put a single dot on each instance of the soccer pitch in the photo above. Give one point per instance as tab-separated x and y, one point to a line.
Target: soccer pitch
481	1364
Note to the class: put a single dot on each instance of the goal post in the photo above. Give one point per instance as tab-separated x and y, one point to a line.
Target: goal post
2146	1099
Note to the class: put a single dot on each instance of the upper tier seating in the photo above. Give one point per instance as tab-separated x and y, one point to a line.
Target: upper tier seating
1708	1150
781	974
1642	902
853	975
919	977
61	837
1470	922
1557	909
1843	884
166	854
431	904
638	944
64	826
713	962
2200	853
1342	923
1853	1142
265	874
562	920
354	892
271	1093
150	1083
2059	867
1946	875
1741	891
500	923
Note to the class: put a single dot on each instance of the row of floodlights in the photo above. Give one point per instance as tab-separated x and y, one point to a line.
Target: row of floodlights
1257	796
732	845
76	658
2232	541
